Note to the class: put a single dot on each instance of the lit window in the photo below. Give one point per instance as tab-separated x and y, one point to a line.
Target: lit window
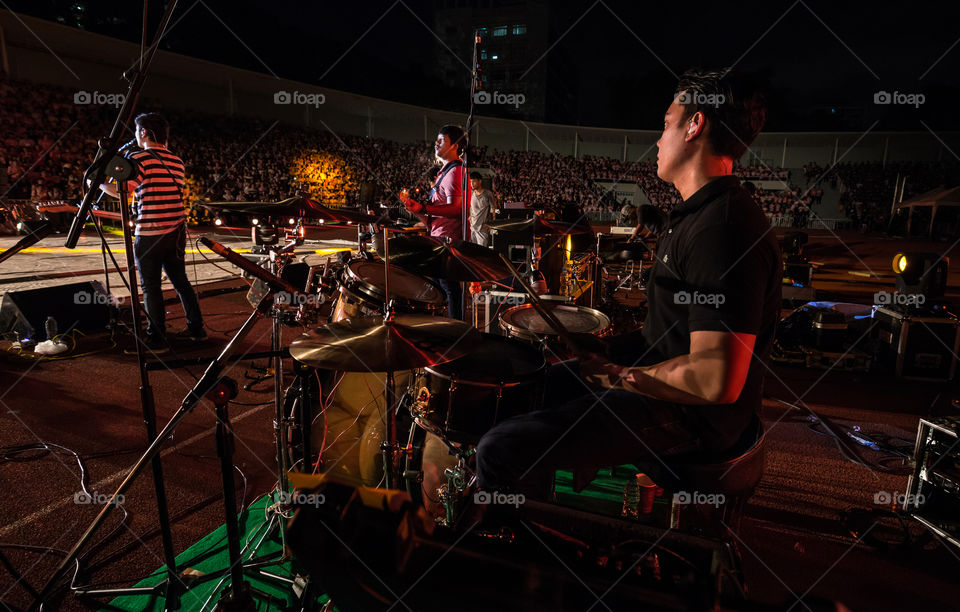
500	31
495	57
519	29
483	54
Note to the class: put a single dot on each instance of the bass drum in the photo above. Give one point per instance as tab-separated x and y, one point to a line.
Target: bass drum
426	460
345	438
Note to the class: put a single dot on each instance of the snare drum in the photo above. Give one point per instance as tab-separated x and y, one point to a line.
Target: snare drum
525	323
462	399
363	289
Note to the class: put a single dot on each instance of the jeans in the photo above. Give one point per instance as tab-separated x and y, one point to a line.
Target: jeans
454	293
165	252
575	429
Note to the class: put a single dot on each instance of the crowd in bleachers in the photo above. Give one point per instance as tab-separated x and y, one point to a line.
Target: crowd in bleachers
46	141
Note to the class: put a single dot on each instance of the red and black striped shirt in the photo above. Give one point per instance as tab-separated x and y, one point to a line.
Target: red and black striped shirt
157	191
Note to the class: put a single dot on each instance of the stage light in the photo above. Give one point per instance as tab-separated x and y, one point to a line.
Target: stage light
218	221
292	221
255	221
920	274
899	263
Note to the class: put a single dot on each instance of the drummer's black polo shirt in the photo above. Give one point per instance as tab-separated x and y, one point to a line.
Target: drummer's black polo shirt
717	269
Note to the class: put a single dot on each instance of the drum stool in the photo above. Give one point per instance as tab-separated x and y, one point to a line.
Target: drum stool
724	482
707	492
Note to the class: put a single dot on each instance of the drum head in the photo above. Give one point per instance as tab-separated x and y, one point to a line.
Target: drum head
370	277
497	359
577	319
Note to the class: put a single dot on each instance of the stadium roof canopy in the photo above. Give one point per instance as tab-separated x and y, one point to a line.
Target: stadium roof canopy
935	199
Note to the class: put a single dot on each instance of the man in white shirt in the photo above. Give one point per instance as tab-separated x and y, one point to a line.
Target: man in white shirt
482	204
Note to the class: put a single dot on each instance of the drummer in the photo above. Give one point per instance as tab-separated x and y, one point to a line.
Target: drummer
694	374
443	214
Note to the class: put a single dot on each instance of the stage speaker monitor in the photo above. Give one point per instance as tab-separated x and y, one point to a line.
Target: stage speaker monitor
82	306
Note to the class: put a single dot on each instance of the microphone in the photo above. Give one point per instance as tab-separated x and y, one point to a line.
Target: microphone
130	145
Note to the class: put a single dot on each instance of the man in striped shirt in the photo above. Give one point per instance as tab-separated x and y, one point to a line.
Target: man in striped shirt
160	241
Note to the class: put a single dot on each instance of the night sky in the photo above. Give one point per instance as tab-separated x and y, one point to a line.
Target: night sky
822	63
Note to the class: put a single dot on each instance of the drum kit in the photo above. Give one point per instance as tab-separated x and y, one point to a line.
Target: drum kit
377	356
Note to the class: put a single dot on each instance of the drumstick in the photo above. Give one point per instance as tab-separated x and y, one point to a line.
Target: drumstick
537	304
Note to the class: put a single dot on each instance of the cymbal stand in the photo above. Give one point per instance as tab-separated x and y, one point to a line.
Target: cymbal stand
389	446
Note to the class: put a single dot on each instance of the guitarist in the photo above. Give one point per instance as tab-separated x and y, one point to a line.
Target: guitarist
161	232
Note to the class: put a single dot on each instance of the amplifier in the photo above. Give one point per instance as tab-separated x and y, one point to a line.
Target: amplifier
918	346
933	490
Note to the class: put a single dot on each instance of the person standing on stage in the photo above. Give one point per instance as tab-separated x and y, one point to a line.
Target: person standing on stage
443	214
691	381
482	204
161	232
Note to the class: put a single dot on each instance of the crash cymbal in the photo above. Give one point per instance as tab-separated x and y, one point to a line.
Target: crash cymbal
458	260
540	226
369	344
298	207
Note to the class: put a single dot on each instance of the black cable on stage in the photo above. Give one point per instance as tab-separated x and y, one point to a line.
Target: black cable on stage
845	444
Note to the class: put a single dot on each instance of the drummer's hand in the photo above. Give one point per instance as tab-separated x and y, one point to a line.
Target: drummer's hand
599	372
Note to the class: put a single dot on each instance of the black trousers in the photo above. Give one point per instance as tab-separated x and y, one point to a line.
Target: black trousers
581	428
165	253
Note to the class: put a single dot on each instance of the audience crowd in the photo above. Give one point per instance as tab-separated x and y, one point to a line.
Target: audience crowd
47	140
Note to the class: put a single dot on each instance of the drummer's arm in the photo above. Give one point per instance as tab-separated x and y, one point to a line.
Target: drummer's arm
714	371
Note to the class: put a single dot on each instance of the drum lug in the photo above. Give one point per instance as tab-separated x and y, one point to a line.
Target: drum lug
413	475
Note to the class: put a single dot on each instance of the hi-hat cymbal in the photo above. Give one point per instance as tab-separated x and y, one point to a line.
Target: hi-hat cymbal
370	344
298	207
458	260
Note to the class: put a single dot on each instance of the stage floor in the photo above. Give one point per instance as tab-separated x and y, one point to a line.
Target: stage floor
792	540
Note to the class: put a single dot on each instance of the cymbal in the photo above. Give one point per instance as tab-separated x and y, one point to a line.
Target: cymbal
299	207
624	251
458	260
540	226
370	344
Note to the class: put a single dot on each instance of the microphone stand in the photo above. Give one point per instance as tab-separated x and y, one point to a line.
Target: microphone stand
108	161
465	181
